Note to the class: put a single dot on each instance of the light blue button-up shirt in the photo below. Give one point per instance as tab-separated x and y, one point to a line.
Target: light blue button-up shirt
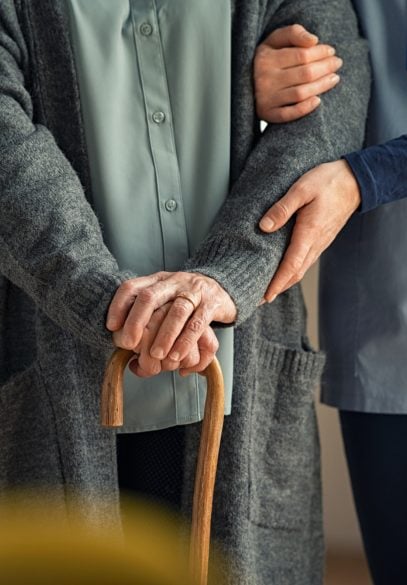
155	78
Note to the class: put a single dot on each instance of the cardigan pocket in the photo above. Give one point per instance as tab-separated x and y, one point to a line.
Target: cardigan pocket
29	454
284	449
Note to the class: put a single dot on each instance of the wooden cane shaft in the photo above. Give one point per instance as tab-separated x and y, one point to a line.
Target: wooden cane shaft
112	416
206	474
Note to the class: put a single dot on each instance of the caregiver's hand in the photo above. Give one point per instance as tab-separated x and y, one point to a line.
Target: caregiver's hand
199	357
324	199
197	301
290	70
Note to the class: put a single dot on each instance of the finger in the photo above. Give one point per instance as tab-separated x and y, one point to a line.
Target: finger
191	360
137	370
300	93
292	265
178	315
147	363
268	59
192	332
309	261
285	114
147	301
304	74
294	35
124	298
208	345
168	365
282	211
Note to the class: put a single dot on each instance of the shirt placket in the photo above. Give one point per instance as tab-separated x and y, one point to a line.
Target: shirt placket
161	133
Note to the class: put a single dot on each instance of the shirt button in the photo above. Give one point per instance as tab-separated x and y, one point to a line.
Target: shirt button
158	117
146	29
171	205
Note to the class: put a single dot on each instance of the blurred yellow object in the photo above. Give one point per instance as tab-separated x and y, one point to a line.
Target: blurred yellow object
40	547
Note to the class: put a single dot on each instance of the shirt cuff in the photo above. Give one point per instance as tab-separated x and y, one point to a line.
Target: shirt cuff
365	179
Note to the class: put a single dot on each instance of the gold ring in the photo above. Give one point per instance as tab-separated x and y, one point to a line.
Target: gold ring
188	297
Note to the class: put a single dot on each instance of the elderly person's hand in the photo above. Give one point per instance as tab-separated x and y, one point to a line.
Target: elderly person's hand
200	356
324	199
189	302
290	71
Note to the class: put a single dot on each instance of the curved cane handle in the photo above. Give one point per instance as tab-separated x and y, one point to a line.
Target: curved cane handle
111	405
112	416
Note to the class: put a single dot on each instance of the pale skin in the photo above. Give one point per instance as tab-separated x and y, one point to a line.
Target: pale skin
325	198
168	331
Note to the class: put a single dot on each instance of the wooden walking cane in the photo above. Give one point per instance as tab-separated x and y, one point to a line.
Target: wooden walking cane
112	416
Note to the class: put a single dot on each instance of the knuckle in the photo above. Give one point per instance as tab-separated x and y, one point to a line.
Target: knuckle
196	324
296	29
294	266
197	281
213	346
127	286
299	93
281	210
301	55
146	296
301	190
307	73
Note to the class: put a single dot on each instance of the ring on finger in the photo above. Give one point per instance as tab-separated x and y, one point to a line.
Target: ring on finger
189	297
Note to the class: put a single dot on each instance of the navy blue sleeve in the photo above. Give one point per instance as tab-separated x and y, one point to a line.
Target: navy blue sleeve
381	172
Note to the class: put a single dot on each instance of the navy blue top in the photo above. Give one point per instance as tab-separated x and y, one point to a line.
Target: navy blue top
381	172
363	278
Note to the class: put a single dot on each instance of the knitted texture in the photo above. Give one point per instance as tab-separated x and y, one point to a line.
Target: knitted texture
58	279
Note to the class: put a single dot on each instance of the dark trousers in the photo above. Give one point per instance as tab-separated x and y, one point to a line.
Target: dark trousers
376	450
150	465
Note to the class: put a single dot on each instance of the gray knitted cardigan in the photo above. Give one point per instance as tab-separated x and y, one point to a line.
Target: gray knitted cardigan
57	279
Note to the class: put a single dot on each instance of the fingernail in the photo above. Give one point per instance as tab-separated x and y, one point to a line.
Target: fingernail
317	101
175	356
307	35
157	353
272	298
335	78
331	51
267	224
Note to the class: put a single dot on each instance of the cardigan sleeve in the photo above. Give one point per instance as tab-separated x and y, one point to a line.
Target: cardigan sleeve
51	245
381	172
235	253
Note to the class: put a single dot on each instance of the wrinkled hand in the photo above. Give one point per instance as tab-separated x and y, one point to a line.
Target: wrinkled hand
198	359
186	303
290	71
324	199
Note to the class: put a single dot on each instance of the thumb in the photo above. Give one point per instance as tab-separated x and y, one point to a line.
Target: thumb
281	212
294	35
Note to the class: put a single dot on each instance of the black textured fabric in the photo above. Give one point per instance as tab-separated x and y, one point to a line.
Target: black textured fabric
150	465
